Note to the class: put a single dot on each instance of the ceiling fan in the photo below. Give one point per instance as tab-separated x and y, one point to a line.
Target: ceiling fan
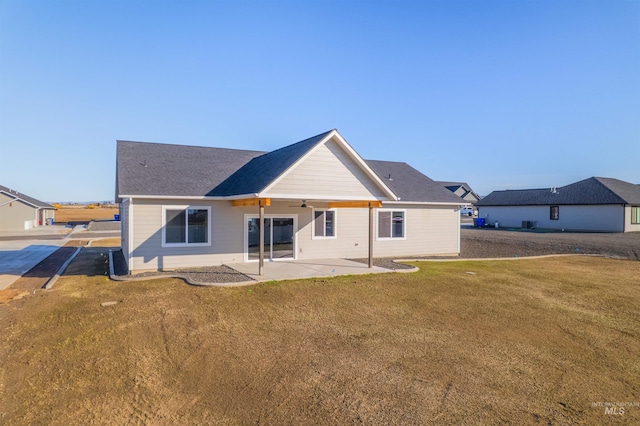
303	205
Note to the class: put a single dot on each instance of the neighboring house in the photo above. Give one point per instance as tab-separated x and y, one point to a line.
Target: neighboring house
594	204
189	206
19	211
462	190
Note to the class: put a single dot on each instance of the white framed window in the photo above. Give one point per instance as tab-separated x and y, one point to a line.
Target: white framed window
186	226
635	215
391	224
324	224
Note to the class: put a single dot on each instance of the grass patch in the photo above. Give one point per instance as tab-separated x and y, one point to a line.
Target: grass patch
527	342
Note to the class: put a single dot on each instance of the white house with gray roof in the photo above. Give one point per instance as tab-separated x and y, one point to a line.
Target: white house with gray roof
19	211
462	190
594	204
189	206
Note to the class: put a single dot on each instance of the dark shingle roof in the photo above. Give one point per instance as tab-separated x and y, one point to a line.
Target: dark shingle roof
145	168
411	185
453	187
258	173
629	192
594	190
175	170
25	198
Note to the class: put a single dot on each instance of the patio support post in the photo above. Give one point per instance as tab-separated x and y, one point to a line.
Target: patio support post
370	235
261	231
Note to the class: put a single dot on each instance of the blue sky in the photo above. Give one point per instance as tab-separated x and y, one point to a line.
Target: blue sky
500	94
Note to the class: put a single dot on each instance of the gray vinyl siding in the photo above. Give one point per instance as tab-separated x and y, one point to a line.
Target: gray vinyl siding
605	218
628	226
226	236
328	172
430	230
14	215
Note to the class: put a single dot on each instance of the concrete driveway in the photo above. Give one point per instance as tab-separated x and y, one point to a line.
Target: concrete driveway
22	250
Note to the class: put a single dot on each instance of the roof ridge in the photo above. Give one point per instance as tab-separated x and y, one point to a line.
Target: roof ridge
524	189
300	142
190	146
600	182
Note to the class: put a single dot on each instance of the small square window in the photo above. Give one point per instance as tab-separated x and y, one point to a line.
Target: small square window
391	224
324	224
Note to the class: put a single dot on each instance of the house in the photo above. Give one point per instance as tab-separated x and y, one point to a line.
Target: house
190	206
462	190
19	211
593	204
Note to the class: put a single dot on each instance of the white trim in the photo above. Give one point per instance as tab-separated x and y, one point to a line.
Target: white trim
191	197
286	197
312	198
165	244
349	150
245	248
404	225
459	224
372	175
424	203
313	224
17	197
298	161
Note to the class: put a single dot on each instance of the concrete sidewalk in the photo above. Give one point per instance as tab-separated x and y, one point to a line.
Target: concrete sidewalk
41	232
310	268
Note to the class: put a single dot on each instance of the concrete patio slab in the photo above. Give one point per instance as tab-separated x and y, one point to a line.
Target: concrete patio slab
310	268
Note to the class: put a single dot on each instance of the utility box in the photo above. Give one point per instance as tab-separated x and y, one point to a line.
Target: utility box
529	224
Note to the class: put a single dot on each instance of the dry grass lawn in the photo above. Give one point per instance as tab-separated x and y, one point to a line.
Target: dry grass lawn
67	214
517	342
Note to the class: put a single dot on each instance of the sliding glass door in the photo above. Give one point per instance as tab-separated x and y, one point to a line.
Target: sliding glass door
279	235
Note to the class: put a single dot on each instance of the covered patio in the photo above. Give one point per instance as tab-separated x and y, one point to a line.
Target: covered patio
261	203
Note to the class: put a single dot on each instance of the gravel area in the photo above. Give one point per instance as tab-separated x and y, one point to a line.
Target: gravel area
491	243
474	243
206	275
488	242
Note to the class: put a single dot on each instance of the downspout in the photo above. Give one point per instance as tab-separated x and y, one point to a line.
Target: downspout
458	214
129	235
261	239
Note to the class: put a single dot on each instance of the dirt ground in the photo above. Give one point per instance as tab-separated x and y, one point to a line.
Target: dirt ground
83	214
487	243
513	342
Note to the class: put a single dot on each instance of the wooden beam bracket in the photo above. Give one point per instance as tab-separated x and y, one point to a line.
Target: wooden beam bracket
354	204
246	202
